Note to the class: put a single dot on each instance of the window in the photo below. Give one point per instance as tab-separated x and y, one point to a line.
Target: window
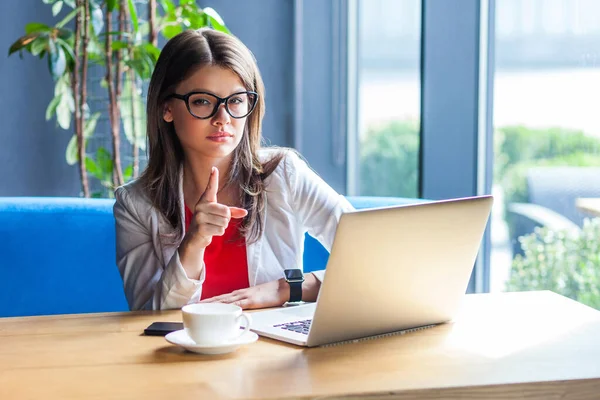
547	148
385	160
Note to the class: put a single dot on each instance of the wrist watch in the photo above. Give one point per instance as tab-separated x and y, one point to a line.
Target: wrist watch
294	278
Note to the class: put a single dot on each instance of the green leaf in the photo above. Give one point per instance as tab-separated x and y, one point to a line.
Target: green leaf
217	25
150	63
214	15
133	126
141	67
39	45
90	125
118	45
56	59
66	106
153	51
143	60
194	20
63	33
86	111
67	48
93	168
23	41
67	18
71	153
171	31
95	51
36	27
98	59
111	5
133	16
56	8
51	110
128	173
63	113
104	160
145	29
62	86
167	5
70	3
97	18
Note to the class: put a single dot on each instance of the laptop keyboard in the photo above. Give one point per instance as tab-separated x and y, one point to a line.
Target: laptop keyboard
296	326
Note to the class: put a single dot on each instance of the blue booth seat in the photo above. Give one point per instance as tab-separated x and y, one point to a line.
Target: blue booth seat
58	254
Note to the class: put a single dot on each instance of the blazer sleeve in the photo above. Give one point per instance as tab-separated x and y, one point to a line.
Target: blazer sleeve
317	205
148	283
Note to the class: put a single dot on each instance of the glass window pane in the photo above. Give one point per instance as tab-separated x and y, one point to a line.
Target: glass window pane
547	148
388	101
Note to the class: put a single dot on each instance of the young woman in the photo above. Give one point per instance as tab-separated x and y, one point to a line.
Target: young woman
215	217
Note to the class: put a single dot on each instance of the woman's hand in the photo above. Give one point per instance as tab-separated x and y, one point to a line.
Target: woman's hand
270	294
210	219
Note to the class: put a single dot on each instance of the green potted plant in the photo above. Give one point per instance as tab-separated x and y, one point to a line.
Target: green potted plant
565	262
112	35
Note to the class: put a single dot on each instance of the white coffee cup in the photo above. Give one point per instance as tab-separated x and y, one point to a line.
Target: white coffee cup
214	323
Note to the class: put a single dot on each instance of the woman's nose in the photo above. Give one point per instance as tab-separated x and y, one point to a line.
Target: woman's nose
221	116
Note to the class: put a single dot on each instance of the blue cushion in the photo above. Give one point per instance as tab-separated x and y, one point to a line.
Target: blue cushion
58	254
58	257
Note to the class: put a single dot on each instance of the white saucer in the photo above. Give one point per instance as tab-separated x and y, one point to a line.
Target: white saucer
180	338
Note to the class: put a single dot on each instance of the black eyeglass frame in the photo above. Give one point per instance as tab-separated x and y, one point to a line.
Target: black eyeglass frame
220	100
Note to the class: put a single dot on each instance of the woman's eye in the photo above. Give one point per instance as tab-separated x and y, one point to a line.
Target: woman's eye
200	102
236	100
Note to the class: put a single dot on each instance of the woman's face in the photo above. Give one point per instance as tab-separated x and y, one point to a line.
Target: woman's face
219	135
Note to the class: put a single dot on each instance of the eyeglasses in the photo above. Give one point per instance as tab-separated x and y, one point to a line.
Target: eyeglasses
203	105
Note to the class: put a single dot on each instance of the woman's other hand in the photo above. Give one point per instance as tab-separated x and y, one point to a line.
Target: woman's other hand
270	294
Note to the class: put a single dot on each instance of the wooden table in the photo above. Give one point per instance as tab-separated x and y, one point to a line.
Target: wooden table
501	346
589	205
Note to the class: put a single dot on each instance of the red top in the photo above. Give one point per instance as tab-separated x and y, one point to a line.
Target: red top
225	260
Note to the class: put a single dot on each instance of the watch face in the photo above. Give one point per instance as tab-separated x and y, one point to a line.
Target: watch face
292	274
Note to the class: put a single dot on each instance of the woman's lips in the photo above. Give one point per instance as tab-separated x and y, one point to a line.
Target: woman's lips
220	136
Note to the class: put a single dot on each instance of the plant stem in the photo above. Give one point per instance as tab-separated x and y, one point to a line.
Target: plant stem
136	149
152	35
119	73
79	97
131	76
119	59
112	106
83	98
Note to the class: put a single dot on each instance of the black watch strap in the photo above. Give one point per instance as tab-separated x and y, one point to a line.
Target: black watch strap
295	291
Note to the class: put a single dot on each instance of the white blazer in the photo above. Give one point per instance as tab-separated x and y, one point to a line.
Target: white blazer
297	201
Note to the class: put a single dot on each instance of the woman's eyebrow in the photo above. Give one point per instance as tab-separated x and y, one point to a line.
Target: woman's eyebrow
236	90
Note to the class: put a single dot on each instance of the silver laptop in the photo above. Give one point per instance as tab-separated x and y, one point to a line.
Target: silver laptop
391	269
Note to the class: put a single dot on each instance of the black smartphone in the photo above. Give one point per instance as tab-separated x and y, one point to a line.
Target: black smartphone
162	328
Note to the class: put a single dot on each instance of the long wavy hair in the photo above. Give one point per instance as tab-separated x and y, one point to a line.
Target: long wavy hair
181	56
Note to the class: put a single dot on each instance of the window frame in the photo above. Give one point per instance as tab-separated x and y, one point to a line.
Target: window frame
456	143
